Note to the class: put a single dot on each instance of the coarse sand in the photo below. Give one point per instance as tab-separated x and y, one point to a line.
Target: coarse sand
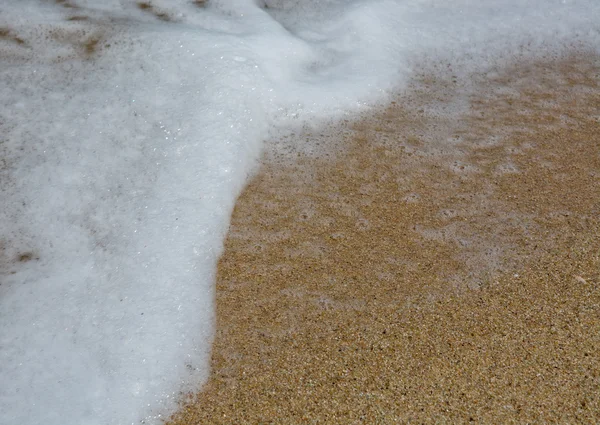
440	264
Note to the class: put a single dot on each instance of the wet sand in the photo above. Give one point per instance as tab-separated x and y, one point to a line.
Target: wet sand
442	264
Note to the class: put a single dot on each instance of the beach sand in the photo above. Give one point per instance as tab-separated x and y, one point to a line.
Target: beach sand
440	264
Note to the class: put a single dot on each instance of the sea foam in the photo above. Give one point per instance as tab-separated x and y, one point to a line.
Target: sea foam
127	129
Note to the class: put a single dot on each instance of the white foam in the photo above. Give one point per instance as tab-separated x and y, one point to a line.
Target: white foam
124	140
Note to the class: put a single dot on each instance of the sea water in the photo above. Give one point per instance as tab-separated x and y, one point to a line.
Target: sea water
127	129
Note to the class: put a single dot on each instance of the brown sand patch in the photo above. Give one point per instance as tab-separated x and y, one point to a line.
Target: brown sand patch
443	268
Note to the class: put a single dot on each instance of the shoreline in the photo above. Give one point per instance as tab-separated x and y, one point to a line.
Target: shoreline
442	267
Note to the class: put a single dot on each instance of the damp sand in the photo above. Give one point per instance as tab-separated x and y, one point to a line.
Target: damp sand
442	264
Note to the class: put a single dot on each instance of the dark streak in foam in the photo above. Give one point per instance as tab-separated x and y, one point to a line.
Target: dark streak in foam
85	43
8	261
25	257
67	4
91	45
148	7
7	34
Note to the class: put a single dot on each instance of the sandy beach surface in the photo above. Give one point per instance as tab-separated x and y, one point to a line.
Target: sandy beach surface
441	264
